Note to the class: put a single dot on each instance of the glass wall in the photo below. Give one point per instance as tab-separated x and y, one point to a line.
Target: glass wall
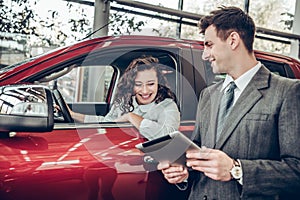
275	15
77	22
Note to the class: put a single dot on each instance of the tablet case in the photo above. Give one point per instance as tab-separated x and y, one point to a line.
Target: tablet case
170	148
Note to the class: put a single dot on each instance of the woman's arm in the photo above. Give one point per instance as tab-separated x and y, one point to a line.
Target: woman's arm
78	117
133	118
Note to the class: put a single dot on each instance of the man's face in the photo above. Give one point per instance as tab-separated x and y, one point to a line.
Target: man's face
145	86
216	51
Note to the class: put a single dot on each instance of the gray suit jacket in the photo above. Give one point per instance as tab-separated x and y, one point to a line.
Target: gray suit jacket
263	131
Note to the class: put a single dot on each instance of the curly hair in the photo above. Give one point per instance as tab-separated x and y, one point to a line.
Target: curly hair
125	91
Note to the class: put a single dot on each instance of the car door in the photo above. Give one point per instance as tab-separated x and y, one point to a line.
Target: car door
87	160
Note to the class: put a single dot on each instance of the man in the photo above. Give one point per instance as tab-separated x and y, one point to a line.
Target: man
253	152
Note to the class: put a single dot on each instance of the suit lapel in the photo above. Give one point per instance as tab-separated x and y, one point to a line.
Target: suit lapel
249	97
210	137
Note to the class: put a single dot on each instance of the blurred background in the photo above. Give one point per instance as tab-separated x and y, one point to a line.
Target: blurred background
32	27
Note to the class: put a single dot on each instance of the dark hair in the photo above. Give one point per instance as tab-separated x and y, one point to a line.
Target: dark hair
229	19
125	91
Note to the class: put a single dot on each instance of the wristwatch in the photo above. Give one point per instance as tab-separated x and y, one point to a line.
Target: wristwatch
236	171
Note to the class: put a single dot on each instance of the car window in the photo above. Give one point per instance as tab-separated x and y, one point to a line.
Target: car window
85	83
281	69
278	68
88	82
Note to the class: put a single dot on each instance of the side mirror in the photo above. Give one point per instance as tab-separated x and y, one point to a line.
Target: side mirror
26	108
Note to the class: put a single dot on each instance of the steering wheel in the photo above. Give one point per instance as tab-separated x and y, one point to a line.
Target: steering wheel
63	106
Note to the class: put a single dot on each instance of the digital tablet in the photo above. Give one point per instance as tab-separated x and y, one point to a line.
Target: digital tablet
170	148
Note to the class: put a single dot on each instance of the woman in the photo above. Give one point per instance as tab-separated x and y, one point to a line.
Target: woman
143	99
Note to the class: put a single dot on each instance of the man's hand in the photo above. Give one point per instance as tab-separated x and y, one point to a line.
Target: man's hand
173	173
213	163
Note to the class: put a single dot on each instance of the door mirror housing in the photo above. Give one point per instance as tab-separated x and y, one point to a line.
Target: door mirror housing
26	108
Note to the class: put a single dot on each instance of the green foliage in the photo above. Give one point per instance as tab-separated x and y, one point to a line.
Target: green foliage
20	17
288	23
17	20
124	24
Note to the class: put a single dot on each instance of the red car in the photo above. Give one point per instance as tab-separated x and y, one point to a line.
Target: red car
48	156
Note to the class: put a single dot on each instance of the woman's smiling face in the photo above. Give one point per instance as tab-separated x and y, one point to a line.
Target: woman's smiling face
145	86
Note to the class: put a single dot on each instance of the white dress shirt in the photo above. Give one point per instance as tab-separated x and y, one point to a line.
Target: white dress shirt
240	82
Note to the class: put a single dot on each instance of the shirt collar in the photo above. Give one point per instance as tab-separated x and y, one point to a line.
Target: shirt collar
243	80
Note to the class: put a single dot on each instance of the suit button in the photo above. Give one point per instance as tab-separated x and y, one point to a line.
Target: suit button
204	197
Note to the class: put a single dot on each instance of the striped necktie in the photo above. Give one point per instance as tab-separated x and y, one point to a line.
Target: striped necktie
225	106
